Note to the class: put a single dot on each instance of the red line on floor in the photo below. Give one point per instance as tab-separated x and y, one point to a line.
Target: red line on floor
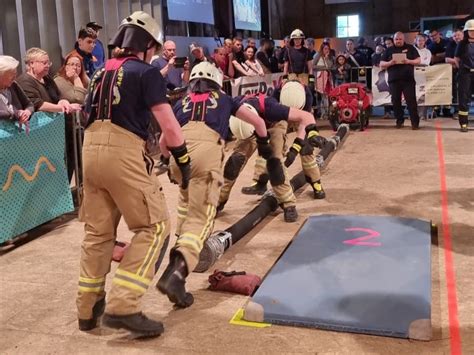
454	332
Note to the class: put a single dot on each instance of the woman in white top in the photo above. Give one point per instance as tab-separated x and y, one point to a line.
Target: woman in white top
251	65
425	55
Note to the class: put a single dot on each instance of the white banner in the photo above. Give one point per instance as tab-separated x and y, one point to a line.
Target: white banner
255	84
433	85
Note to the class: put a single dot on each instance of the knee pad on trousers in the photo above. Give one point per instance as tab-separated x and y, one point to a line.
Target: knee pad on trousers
233	166
162	253
275	171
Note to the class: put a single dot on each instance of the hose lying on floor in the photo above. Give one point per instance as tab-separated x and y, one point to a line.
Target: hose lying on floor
220	241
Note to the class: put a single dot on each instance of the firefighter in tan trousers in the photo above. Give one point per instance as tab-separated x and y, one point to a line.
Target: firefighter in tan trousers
118	179
277	117
204	117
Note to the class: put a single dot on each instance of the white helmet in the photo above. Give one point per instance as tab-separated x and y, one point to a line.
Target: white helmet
469	25
206	70
145	21
293	95
297	34
241	129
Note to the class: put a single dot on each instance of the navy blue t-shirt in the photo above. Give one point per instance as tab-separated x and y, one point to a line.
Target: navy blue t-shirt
297	59
274	111
214	108
437	48
173	77
398	72
465	52
140	86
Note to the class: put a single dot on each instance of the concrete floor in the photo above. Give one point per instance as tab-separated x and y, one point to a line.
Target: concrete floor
382	171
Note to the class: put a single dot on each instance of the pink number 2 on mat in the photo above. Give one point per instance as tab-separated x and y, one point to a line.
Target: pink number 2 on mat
362	240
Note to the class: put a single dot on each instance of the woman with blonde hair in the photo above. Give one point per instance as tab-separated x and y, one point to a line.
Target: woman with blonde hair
14	104
38	85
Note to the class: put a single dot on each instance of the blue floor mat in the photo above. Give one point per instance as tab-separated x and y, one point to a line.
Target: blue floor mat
361	274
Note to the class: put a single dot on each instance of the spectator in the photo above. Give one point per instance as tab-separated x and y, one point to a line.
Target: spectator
38	85
377	56
219	60
251	64
341	70
327	40
365	50
236	58
437	47
251	43
323	63
265	56
14	104
425	59
309	43
98	52
198	53
388	42
355	59
72	83
84	46
282	52
401	79
72	80
175	77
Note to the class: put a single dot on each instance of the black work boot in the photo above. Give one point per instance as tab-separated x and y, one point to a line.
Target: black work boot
137	323
318	191
257	188
220	206
290	214
89	324
172	282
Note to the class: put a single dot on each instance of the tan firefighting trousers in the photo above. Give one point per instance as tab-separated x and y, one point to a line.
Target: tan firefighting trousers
118	182
284	192
197	204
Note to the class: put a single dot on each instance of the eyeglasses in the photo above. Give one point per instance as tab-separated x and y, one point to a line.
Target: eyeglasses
78	65
44	62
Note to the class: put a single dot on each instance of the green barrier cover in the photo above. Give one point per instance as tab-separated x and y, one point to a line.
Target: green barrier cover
34	186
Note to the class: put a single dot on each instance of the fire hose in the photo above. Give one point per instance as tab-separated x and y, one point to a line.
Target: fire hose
220	241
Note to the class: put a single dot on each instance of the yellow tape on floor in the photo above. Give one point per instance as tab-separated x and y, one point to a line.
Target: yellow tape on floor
237	319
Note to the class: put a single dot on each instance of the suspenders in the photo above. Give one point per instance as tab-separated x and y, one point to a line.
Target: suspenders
104	94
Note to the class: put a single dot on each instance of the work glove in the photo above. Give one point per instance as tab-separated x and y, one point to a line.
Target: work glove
294	150
313	137
183	160
263	146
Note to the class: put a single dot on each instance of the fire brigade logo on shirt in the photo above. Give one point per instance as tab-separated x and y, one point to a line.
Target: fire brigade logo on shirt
200	102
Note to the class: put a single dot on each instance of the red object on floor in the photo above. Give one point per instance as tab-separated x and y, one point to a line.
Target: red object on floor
119	251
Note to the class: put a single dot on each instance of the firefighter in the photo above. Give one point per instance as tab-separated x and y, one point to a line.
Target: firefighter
465	62
118	179
277	116
299	63
204	115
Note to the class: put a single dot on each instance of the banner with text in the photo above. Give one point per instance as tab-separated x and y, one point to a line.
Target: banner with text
433	85
34	186
255	84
